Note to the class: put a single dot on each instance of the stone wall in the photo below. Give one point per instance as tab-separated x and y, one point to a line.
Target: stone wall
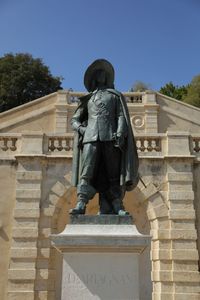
7	203
36	197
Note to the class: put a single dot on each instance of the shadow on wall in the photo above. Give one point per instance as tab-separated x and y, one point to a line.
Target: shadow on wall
4	235
133	202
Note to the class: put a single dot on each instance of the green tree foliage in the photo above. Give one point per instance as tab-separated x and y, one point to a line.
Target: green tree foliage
24	78
193	93
174	91
139	86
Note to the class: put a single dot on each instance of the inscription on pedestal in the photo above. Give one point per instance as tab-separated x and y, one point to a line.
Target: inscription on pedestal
97	276
107	280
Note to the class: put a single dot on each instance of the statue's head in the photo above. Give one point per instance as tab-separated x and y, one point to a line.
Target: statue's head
99	74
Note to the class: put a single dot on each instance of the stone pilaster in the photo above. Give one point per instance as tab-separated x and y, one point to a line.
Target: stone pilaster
61	113
176	257
158	215
183	253
46	281
151	112
22	269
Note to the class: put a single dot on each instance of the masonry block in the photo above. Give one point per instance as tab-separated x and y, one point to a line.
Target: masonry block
23	274
29	175
23	252
182	214
25	232
28	193
27	213
19	295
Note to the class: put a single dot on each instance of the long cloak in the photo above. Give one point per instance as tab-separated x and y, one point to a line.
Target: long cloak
129	162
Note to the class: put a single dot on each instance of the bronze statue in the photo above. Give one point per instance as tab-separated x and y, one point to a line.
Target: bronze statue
105	157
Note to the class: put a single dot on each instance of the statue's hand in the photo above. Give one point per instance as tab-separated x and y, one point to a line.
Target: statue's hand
82	130
119	141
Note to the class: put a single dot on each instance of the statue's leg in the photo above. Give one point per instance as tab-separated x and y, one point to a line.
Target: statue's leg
85	191
113	169
105	206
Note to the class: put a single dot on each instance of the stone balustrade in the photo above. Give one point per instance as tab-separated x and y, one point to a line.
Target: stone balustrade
8	143
61	143
54	144
73	97
64	143
131	97
195	144
148	143
134	97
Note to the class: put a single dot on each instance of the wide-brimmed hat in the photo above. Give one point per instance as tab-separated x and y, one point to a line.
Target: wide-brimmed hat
99	64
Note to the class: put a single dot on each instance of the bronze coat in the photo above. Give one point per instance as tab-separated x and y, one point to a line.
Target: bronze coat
129	162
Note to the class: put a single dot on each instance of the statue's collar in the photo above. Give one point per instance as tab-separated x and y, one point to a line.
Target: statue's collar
87	97
100	89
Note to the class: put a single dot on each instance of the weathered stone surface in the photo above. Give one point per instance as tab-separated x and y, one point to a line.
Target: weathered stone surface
28	193
29	175
16	295
27	213
179	214
181	195
174	254
100	236
24	252
157	212
25	232
44	295
180	177
59	189
174	234
23	274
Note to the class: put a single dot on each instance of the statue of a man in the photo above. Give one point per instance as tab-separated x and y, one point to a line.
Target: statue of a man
105	157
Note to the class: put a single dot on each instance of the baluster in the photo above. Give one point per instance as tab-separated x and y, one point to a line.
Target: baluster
149	146
13	145
153	144
67	146
52	146
60	147
5	144
158	145
196	145
142	147
138	144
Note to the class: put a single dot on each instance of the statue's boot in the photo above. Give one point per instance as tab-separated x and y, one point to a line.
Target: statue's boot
85	193
119	208
79	209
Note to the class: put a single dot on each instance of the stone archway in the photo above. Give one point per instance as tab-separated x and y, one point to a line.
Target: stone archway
53	217
150	213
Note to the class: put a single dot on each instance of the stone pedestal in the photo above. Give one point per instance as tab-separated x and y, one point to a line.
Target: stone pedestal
101	257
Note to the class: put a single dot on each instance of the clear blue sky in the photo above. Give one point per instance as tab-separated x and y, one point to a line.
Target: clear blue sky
155	41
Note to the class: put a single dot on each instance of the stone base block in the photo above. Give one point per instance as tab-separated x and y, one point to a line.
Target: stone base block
95	276
101	258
